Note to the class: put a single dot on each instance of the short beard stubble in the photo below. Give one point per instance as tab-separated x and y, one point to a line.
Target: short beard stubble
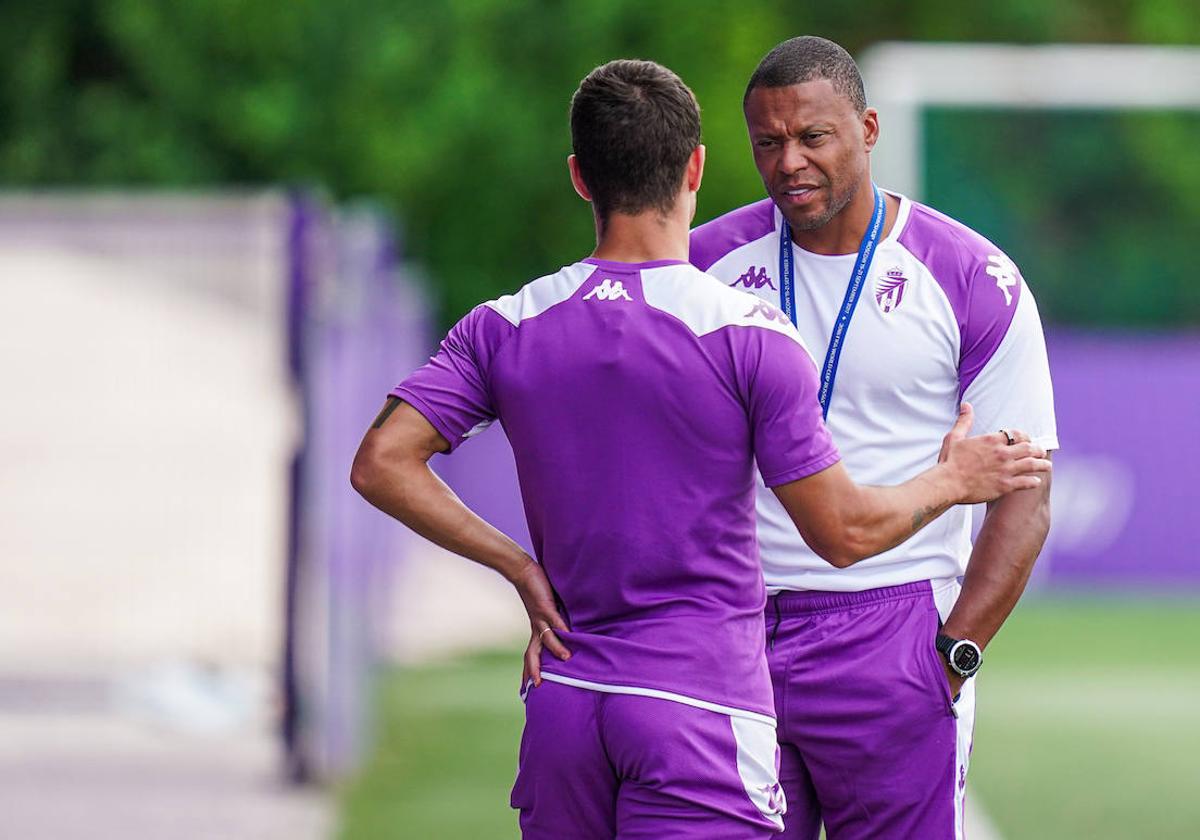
837	203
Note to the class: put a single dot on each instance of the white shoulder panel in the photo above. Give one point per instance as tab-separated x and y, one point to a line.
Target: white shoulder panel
762	253
705	304
538	295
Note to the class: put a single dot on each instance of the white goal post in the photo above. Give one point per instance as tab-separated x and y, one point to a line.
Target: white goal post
903	78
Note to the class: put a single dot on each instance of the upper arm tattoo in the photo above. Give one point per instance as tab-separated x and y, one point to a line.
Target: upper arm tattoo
392	404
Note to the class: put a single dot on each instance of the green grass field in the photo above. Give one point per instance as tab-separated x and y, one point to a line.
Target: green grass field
1089	727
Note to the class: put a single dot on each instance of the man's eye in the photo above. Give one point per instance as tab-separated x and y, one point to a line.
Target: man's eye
813	136
763	144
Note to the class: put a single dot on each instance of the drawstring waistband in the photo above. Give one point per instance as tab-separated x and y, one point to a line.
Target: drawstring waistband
808	602
775	626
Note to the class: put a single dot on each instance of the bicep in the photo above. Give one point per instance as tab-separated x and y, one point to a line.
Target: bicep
401	432
451	390
1024	506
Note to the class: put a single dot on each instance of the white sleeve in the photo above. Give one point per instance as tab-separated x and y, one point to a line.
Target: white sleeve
1013	390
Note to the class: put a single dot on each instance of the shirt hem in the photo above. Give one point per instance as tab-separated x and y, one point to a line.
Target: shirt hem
1047	442
936	584
804	471
426	411
659	694
846	580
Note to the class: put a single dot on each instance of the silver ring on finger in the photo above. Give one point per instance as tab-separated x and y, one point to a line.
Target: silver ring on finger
1008	436
543	633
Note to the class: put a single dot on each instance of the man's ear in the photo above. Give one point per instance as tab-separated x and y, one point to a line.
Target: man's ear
577	179
870	128
695	168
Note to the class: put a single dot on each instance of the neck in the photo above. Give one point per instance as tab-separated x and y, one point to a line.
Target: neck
645	237
844	232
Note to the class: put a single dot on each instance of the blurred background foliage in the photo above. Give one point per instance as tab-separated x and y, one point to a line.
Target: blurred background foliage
1098	208
454	114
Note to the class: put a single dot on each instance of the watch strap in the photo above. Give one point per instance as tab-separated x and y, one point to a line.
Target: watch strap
945	643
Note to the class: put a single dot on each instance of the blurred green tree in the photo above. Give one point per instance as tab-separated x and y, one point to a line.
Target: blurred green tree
1099	208
454	113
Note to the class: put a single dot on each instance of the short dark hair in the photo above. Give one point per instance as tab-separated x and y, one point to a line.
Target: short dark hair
804	59
634	124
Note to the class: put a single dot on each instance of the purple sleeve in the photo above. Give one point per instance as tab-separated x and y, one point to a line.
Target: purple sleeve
451	389
713	240
1012	389
993	295
981	283
780	382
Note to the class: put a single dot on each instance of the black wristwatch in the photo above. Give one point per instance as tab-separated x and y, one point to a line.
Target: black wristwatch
963	655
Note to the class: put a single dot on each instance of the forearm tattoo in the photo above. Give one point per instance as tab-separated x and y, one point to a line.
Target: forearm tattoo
392	404
923	515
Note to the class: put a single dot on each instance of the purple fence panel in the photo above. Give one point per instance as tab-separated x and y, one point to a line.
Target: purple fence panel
1128	421
363	324
1129	424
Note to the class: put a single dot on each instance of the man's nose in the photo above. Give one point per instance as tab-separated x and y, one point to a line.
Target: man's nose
793	159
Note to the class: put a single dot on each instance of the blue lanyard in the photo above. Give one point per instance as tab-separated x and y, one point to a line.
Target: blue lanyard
787	293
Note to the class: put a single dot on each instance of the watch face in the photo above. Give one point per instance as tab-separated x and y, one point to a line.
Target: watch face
966	658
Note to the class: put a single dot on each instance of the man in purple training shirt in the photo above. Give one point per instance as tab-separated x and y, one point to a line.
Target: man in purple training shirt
638	394
870	665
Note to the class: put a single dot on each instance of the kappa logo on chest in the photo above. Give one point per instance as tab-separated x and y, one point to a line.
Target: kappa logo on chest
754	278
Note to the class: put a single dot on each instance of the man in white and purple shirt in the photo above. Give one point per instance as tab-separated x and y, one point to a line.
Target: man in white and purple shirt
638	393
871	664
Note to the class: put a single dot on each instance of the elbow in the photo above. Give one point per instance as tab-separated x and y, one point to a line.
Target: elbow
1040	520
859	544
843	549
841	559
365	473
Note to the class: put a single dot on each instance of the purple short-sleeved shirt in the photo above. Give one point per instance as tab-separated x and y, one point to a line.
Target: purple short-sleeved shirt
636	398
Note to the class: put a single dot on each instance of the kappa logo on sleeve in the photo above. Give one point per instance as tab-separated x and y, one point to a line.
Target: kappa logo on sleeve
766	310
1002	268
609	290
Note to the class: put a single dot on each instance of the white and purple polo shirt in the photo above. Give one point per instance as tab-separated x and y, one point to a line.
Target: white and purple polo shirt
637	398
944	316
